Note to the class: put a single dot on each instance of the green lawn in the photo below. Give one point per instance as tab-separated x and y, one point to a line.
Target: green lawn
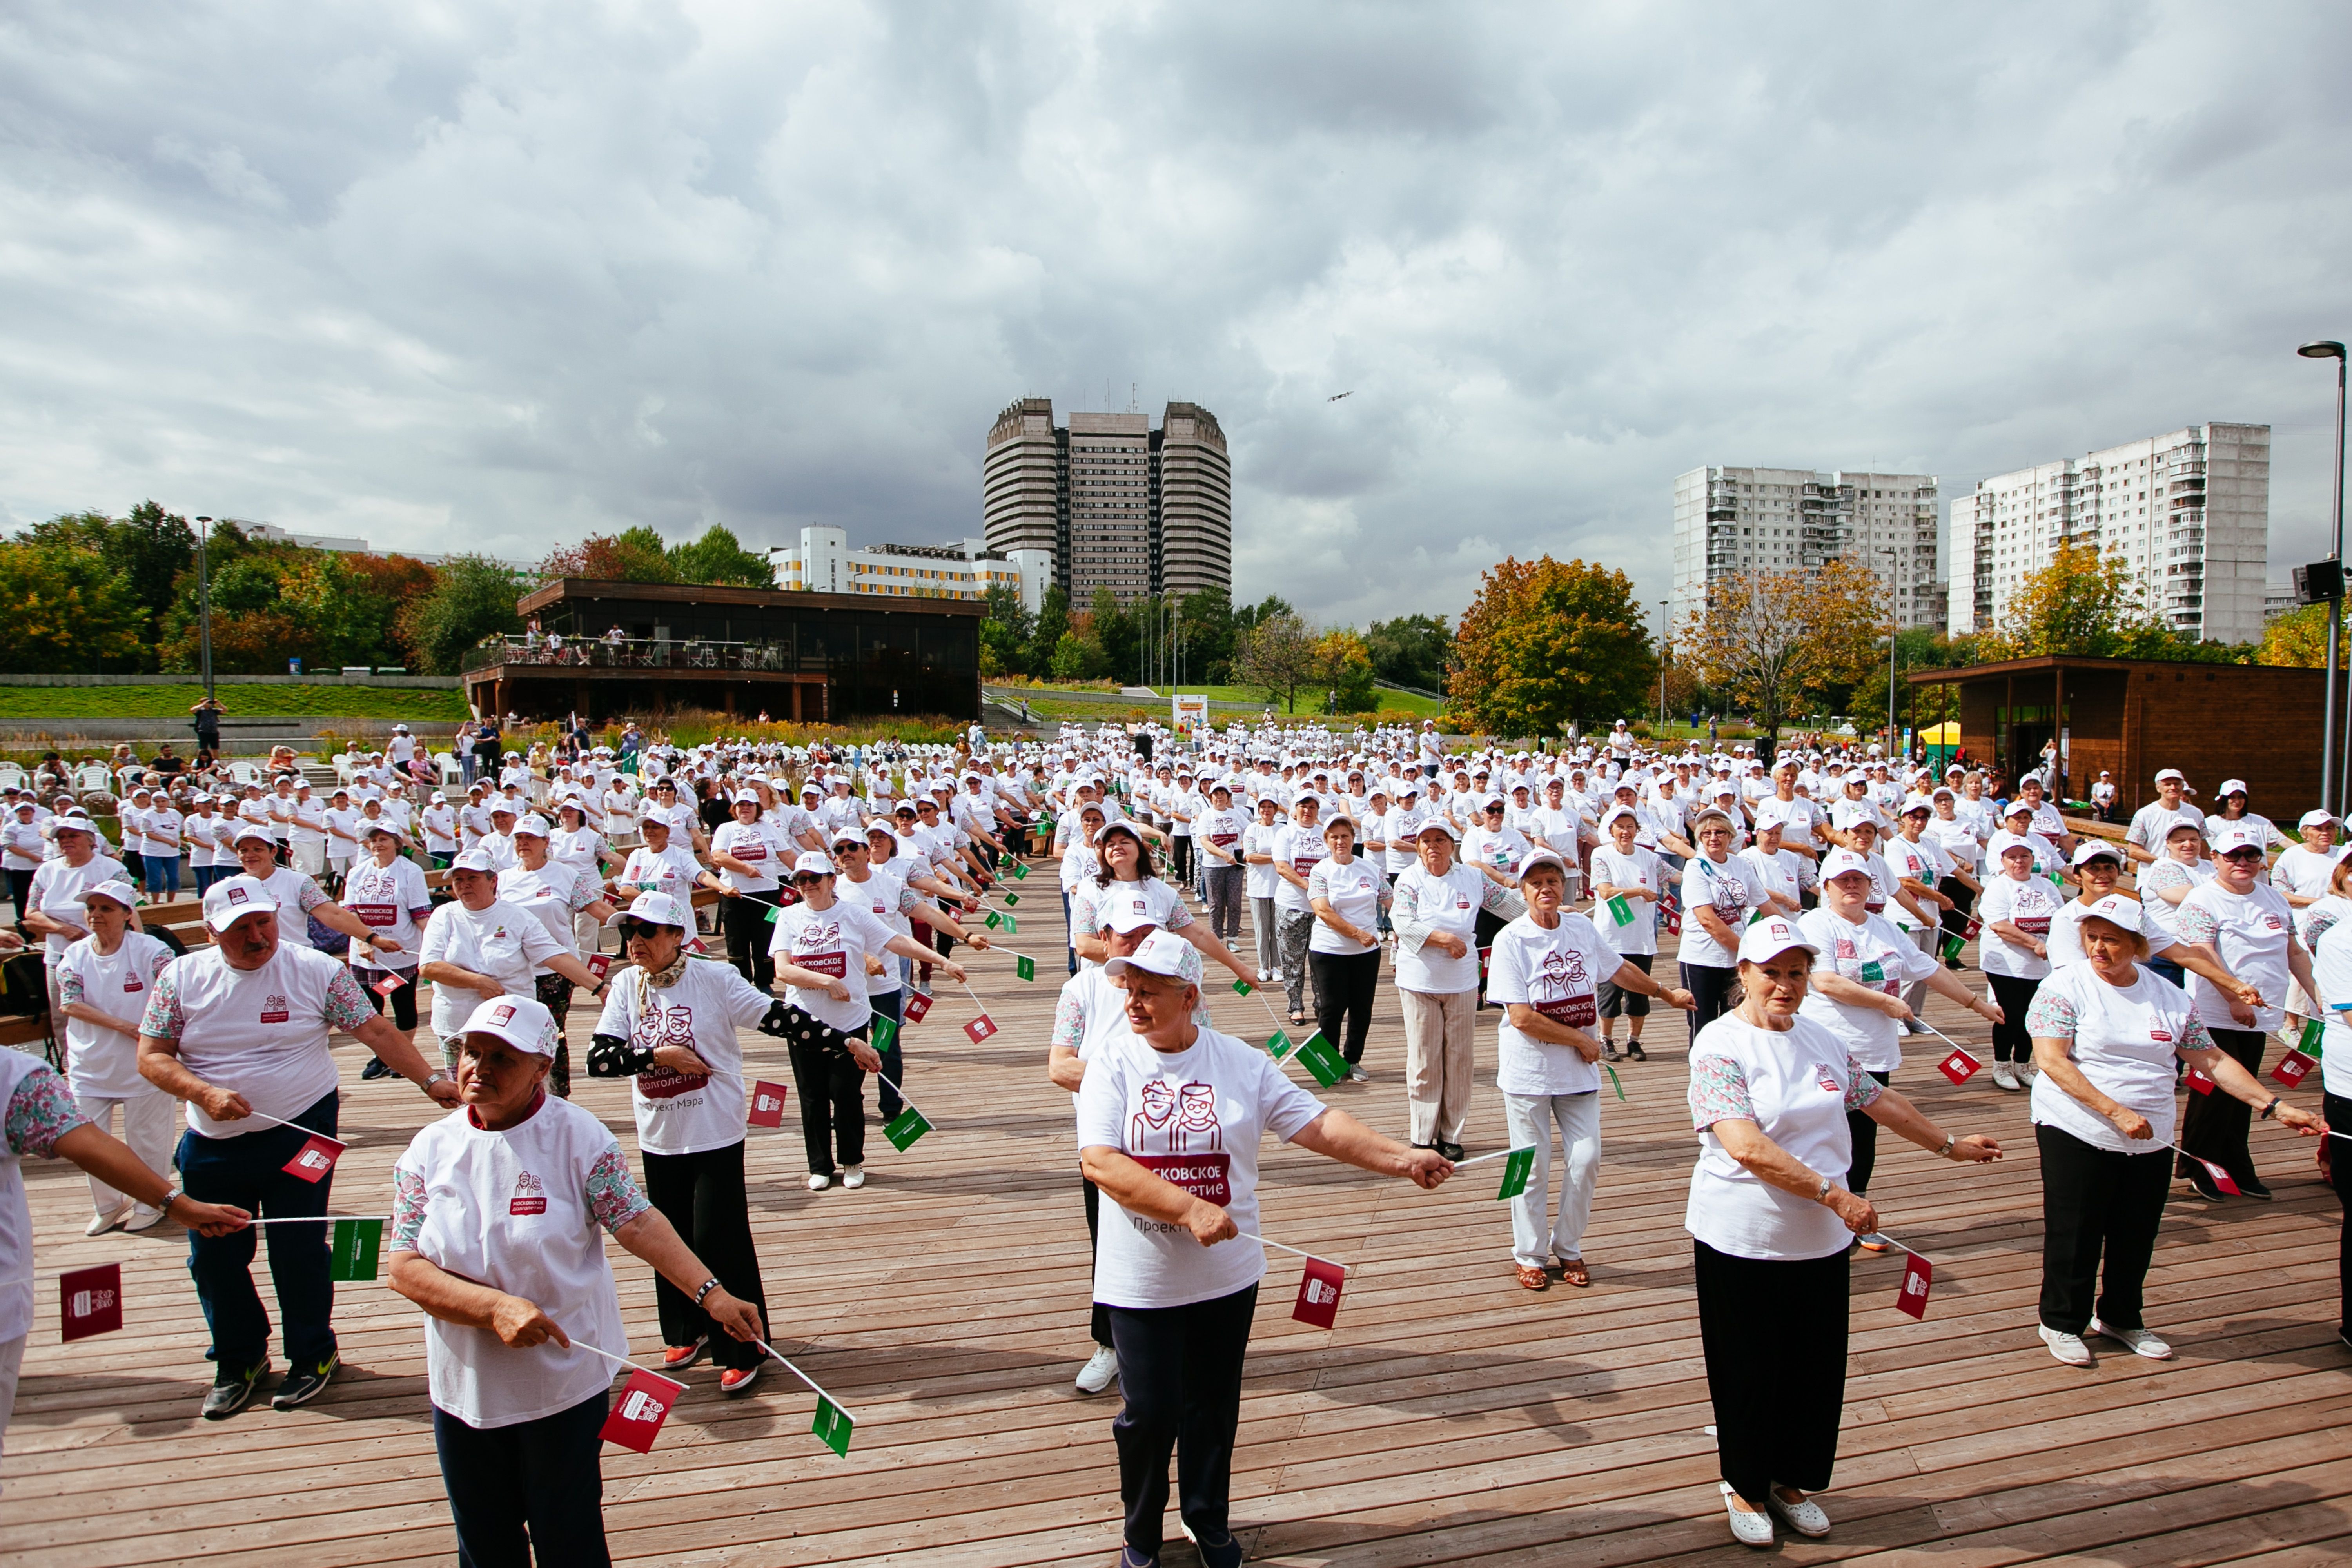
1308	700
388	702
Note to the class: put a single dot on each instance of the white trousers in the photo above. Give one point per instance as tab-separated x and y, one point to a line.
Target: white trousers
1531	1118
148	1122
12	1357
310	859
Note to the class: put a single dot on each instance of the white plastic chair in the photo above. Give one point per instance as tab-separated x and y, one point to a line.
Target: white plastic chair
11	775
244	771
92	778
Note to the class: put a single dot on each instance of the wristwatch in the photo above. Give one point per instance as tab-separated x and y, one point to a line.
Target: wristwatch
1822	1192
1945	1152
170	1196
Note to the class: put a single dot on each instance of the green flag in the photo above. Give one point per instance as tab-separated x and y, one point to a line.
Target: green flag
1952	945
1278	1046
1322	1060
2309	1044
1011	899
1621	909
1243	988
992	920
355	1244
833	1425
1613	1080
1019	873
1025	966
903	1129
1012	926
885	1033
1517	1165
773	910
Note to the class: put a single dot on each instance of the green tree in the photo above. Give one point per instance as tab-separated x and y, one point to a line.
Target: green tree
1410	650
1006	633
634	555
1344	665
1045	636
1114	629
2085	604
1278	654
1204	621
68	612
472	598
147	552
718	557
1772	641
1546	643
1070	657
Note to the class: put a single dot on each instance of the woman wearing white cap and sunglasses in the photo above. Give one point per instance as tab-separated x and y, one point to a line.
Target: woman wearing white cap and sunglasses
2106	1033
499	1214
1772	1227
1171	1116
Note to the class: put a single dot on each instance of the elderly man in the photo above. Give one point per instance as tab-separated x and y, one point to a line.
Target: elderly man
240	1030
2152	823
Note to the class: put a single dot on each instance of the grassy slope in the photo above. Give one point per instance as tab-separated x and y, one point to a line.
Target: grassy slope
1403	701
69	702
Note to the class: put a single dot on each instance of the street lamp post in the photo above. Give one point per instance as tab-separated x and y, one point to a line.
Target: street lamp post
1665	649
205	605
1894	639
2330	735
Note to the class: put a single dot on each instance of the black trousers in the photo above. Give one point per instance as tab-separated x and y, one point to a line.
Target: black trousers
1774	1332
1180	1371
1863	1133
20	892
403	1000
703	1197
744	919
833	1092
1714	989
1344	985
2214	1125
532	1487
890	1004
2338	1111
1955	920
1182	857
2009	1040
1618	1002
2095	1203
1101	1327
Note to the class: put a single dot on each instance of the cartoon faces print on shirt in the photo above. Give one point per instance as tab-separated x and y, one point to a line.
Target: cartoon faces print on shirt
1564	990
658	1027
1175	1133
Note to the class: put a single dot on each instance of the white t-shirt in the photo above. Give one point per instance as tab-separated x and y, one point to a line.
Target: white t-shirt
388	899
1857	952
1639	869
1923	862
750	843
2124	1039
59	889
1091	904
521	1210
1449	904
1301	849
2031	905
833	942
684	1113
1354	891
2253	931
672	869
552	894
500	942
261	1033
1730	889
2331	971
1223	828
100	1061
1263	838
440	824
1796	1085
890	901
1557	973
1194	1116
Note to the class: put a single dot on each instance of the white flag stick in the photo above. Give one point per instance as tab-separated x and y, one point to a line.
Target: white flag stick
813	1383
1497	1154
623	1360
1286	1247
281	1121
319	1218
1884	1239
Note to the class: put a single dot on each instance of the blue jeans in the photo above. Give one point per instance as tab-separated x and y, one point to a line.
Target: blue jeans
890	1004
531	1488
248	1170
162	876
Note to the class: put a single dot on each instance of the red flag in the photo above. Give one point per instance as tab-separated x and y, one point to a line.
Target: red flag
1318	1293
389	981
90	1302
637	1415
918	1003
600	964
767	1104
2198	1081
1960	1066
315	1158
2221	1177
1917	1272
2293	1068
980	1028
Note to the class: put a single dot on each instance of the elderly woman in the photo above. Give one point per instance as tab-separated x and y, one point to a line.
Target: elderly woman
2329	931
2164	883
477	946
747	855
1772	1227
1435	910
1171	1116
1125	875
556	893
2017	910
2105	1032
499	1211
1260	841
1348	896
1719	892
106	980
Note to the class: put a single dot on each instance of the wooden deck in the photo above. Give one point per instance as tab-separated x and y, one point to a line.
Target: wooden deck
1451	1417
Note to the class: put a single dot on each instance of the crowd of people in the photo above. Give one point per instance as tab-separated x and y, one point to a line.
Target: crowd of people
1814	900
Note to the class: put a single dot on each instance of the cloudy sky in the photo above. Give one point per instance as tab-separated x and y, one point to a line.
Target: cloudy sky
491	277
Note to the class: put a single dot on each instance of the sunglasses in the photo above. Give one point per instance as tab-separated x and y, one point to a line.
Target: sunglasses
632	930
2246	855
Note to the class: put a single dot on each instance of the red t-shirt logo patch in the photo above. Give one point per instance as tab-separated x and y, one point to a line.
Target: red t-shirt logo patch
1829	1085
2161	1037
275	1009
529	1196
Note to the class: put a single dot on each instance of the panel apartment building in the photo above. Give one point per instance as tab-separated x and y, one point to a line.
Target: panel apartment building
1118	504
1730	521
2187	513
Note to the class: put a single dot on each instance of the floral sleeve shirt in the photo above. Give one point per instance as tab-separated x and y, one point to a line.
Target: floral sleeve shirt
2054	1018
1718	1092
2196	925
41	1111
1070	1022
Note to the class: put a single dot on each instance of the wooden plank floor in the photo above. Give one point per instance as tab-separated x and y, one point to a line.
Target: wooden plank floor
1451	1417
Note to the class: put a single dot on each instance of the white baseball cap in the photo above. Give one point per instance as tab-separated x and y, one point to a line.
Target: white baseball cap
655	909
2164	774
2092	850
1770	937
2314	819
813	863
1838	862
232	898
1542	857
520	1021
1163	954
2116	910
2229	787
2237	835
1128	914
120	891
253	830
1439	825
535	825
475	860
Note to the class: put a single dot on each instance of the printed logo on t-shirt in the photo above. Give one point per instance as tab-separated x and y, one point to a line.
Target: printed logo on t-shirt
2161	1037
529	1195
275	1009
132	982
1571	1001
1829	1085
665	1026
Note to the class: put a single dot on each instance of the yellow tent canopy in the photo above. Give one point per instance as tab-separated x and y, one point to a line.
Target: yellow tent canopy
1947	733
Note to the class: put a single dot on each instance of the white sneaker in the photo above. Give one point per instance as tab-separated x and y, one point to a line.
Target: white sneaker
1100	1368
1747	1529
1805	1518
2068	1348
853	1177
2142	1341
818	1184
143	1218
99	1224
1265	977
2005	1075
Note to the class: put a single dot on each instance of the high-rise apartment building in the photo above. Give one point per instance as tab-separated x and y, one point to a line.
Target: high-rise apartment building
2188	513
1729	521
1119	504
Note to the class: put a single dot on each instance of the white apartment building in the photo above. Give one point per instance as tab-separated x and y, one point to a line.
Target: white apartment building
1729	522
2187	513
823	562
